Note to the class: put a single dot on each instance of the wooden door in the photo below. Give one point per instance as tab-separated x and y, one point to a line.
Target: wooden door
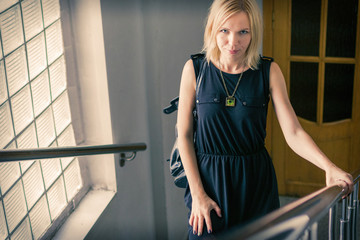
316	44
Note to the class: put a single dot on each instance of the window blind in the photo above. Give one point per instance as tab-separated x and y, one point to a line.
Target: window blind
34	112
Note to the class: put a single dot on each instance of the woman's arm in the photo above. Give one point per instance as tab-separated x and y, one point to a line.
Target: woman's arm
201	203
298	140
185	128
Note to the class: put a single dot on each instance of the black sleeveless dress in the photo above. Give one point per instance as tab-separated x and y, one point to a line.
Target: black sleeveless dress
235	168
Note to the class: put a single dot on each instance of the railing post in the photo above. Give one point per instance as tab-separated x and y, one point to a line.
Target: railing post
356	211
306	235
332	222
351	216
344	221
314	231
310	233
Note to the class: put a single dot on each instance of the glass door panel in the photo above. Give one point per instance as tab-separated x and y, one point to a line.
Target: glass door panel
338	92
305	27
341	28
303	89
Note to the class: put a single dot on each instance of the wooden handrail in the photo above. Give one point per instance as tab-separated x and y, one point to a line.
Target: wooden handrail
9	155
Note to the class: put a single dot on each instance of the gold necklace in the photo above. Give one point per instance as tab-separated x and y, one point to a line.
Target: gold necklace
230	99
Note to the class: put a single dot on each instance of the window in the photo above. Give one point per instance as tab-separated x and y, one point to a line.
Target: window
34	112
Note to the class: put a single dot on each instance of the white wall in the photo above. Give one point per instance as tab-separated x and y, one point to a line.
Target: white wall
146	46
130	215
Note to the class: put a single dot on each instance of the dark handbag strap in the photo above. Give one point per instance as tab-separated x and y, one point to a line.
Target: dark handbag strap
197	59
198	62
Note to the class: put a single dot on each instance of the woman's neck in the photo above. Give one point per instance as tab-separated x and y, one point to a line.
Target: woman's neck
231	65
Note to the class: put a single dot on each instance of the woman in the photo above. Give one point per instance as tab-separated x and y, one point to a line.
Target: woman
230	175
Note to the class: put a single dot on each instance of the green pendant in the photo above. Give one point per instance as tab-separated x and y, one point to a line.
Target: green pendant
230	102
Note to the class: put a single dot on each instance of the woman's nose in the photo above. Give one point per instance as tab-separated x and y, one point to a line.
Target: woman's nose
233	40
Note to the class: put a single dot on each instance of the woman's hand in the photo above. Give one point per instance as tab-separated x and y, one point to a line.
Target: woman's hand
200	211
336	176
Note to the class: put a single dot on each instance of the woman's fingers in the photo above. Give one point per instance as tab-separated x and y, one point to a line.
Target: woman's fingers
338	177
208	223
200	226
191	219
195	225
350	182
200	215
217	210
346	183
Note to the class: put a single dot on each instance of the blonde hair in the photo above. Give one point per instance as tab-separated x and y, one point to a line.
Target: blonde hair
219	12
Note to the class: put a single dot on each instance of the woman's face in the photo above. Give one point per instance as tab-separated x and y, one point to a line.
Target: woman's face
234	36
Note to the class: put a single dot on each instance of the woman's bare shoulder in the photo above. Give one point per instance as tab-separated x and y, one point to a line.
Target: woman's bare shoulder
189	66
188	74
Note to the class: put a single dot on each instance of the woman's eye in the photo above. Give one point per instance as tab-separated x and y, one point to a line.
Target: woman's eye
244	32
223	31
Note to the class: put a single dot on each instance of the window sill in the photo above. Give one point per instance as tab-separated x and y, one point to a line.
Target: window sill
80	222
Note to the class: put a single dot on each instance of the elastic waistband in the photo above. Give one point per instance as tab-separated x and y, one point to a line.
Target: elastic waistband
257	151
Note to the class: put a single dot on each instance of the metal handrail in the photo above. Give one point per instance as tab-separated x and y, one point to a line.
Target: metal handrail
10	155
292	220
